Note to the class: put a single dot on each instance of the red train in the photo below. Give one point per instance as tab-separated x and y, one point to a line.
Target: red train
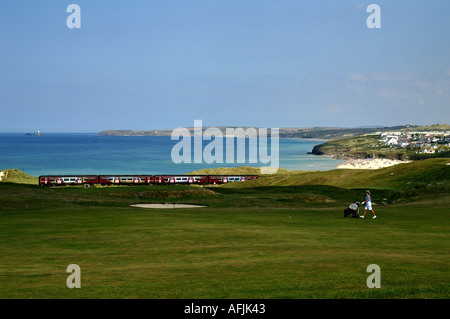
57	180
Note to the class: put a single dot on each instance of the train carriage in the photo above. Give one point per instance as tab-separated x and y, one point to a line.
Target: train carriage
61	180
181	179
126	179
221	179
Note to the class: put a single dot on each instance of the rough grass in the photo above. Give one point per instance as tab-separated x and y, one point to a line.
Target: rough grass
426	171
236	171
17	176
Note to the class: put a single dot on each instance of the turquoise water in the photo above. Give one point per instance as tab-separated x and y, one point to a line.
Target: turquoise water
93	154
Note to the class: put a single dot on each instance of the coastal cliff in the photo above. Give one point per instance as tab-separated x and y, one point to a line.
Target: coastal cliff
359	147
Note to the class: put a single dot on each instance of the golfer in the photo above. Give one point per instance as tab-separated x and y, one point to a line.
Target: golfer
368	202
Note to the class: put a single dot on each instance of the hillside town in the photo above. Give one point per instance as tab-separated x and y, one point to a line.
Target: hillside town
421	142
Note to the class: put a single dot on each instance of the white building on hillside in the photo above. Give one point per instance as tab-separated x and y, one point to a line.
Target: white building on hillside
392	141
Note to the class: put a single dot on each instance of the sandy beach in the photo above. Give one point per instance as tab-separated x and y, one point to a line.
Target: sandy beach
370	163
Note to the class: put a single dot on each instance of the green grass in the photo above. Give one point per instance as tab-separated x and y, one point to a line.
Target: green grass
432	175
265	241
17	176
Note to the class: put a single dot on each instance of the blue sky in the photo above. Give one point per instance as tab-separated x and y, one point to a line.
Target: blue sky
163	64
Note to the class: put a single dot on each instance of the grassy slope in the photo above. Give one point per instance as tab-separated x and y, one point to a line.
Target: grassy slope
426	171
280	239
17	176
418	180
433	127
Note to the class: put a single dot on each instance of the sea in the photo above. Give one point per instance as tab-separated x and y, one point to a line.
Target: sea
90	153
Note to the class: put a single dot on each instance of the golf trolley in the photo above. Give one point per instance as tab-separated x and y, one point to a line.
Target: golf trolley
352	209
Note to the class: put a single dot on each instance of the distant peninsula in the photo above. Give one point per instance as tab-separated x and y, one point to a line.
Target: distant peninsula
135	133
325	133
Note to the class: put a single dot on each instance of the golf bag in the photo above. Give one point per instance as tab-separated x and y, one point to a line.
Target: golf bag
352	209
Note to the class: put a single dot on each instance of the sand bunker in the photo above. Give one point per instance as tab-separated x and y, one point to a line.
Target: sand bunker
167	206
